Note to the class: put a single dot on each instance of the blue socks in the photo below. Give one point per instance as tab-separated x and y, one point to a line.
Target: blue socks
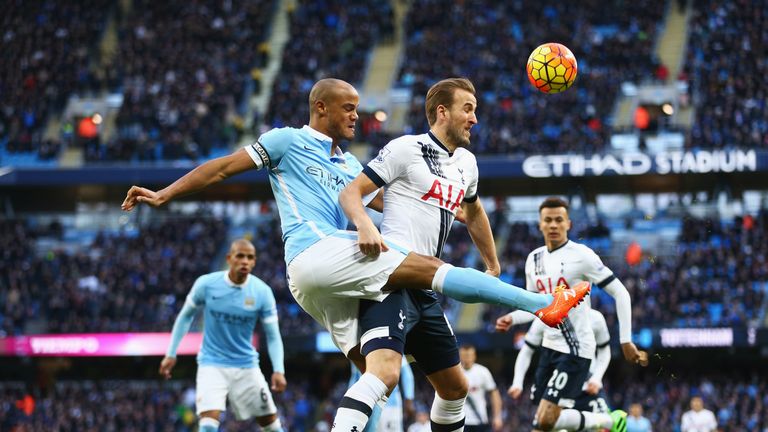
373	420
471	286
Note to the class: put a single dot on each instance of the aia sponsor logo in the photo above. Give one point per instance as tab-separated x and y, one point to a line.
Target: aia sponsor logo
445	195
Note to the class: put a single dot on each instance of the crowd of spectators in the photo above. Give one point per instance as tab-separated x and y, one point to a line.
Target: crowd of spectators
184	69
47	53
122	282
738	400
490	43
329	38
725	68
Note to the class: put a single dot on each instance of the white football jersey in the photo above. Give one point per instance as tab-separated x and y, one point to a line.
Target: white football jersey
701	421
424	184
535	335
569	264
480	382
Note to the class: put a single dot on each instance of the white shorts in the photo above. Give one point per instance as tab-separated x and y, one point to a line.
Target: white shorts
246	389
391	419
330	277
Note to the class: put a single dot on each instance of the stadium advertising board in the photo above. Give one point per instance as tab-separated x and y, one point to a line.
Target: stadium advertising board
98	344
674	162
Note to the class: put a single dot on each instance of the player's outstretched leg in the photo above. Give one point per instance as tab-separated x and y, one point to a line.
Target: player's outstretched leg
472	286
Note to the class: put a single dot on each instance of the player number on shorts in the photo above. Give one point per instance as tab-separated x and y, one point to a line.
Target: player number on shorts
557	382
598	405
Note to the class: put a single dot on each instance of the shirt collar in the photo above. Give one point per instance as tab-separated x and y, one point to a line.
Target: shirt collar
440	144
232	284
317	134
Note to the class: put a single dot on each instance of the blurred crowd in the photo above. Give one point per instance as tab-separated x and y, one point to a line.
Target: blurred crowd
122	282
737	399
725	66
48	52
184	69
329	38
489	42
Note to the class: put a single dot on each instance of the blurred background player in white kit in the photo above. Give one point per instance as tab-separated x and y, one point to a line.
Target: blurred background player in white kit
568	350
592	398
481	384
698	418
228	365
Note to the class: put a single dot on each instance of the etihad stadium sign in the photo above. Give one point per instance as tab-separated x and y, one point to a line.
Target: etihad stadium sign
673	162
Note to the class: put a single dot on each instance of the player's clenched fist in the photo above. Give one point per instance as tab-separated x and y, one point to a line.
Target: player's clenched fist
634	355
515	392
504	323
166	366
138	195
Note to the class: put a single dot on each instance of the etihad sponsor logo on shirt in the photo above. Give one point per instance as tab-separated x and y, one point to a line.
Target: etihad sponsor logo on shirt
674	162
444	195
327	178
232	318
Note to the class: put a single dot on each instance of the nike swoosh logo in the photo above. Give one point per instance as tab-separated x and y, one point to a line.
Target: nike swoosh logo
308	148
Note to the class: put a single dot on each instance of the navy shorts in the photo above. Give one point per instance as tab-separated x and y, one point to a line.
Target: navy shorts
417	314
593	403
382	324
559	378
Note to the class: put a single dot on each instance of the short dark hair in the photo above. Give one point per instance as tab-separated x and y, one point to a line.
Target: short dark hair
553	202
442	94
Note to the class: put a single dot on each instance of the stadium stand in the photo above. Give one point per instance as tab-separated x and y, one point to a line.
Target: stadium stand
47	51
328	39
184	71
489	42
725	70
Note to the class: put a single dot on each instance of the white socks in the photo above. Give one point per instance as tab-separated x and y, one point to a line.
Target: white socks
357	404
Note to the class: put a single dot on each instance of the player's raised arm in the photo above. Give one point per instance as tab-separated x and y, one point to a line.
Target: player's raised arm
479	228
351	199
210	172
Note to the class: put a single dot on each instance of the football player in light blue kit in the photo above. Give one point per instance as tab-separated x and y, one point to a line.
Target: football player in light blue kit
328	272
391	419
228	365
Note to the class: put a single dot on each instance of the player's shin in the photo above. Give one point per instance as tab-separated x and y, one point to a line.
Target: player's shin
447	416
207	424
358	402
472	286
574	420
275	426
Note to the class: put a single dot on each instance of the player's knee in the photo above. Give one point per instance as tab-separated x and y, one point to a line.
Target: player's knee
454	390
270	423
385	364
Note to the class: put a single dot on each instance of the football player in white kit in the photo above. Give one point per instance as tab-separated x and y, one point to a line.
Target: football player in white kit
568	350
592	396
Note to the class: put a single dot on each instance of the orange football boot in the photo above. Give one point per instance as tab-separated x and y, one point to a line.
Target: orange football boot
565	300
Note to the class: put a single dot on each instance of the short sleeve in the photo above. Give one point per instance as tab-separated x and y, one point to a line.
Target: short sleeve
196	296
268	308
269	149
595	271
490	384
391	162
471	194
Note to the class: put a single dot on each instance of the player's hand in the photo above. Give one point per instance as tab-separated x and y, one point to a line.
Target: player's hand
497	424
370	241
460	216
504	323
634	355
515	392
593	386
166	366
278	382
137	195
495	272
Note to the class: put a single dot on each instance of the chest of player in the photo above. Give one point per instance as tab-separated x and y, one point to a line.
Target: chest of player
551	270
232	306
442	185
314	166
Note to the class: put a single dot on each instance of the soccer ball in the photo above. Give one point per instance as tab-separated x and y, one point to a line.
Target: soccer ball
552	67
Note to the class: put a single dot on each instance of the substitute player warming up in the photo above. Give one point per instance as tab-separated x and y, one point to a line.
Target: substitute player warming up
227	362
